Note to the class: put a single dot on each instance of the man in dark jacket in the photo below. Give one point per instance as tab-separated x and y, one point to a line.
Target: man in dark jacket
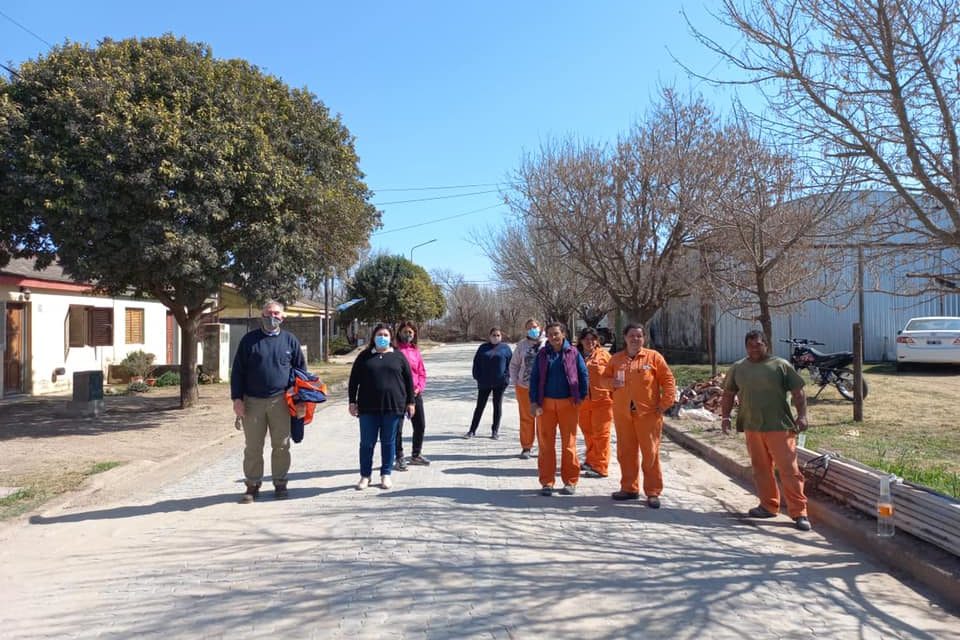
258	382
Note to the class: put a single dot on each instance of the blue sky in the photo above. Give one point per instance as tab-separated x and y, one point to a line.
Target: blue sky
436	93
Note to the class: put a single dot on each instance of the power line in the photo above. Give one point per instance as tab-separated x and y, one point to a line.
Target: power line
458	195
423	224
458	186
25	29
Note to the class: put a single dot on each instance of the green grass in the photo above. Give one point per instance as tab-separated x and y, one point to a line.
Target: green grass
909	425
37	490
687	374
16	497
100	467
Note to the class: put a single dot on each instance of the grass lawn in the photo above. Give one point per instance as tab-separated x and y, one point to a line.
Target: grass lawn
910	424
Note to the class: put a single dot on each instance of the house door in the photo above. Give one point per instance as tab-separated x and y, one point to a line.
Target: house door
14	351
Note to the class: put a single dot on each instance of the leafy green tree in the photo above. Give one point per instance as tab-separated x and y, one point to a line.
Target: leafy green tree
152	168
394	288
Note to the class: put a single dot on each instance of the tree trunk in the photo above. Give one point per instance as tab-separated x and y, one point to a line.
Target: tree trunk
188	361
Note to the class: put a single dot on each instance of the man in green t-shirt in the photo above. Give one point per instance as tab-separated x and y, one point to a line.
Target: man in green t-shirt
762	382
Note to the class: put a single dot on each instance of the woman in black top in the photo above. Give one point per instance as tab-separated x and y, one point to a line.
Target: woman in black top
380	390
491	370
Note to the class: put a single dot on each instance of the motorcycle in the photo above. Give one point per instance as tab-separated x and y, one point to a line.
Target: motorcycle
824	368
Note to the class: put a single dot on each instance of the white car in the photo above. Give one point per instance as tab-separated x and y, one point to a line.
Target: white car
934	339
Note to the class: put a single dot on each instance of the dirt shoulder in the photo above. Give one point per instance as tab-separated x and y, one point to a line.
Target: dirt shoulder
49	450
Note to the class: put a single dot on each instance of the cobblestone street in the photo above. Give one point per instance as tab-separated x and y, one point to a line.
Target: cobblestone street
464	548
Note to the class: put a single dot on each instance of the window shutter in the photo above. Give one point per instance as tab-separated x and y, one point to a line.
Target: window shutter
133	326
77	328
101	327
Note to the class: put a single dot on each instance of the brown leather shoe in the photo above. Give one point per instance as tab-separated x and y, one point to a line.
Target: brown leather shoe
252	493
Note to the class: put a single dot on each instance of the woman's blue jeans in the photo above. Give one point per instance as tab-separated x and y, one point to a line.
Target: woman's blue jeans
372	426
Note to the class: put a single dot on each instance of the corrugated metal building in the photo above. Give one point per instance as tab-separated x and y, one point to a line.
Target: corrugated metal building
890	298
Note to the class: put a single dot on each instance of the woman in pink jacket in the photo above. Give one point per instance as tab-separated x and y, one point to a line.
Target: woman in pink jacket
406	343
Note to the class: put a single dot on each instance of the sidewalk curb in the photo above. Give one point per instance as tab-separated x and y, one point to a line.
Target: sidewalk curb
926	563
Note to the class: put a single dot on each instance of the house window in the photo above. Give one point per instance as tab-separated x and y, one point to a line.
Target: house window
90	326
134	326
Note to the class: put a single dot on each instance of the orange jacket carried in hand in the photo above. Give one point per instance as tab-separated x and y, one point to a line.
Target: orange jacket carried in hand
304	393
648	383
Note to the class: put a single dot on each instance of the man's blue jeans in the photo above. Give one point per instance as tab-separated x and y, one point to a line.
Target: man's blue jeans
373	425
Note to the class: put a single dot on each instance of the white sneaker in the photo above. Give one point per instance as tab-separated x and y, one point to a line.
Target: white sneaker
385	482
363	484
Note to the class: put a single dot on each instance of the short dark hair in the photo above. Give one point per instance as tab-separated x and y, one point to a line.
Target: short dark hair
753	334
634	325
555	323
588	331
407	324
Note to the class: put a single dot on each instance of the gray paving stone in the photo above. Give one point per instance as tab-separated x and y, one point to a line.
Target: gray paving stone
464	548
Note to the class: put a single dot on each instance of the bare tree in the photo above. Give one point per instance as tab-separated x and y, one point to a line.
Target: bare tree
874	82
465	300
621	218
773	244
530	261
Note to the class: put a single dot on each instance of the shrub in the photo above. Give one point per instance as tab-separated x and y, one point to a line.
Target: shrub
139	363
138	387
169	379
340	346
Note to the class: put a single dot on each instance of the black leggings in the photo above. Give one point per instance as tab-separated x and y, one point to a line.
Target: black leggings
419	425
482	395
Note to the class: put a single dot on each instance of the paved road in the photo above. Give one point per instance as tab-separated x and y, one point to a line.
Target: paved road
465	548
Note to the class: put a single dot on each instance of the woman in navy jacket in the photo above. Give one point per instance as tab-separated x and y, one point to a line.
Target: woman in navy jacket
491	370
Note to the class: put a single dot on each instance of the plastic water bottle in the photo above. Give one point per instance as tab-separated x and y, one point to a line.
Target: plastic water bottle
885	528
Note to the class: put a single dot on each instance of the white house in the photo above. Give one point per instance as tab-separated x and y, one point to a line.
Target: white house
52	326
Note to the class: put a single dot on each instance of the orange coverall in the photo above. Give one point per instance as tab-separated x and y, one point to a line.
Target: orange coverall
596	413
649	389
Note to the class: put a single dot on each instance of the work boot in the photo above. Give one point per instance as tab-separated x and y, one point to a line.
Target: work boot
252	493
280	490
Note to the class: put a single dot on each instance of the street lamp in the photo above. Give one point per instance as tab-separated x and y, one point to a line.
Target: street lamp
419	245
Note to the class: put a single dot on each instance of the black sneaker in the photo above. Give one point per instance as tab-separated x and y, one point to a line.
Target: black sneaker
546	490
525	454
418	460
469	434
587	472
802	523
569	489
280	490
495	435
760	512
624	495
400	465
653	502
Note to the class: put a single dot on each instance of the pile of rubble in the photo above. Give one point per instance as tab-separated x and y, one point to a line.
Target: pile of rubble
699	401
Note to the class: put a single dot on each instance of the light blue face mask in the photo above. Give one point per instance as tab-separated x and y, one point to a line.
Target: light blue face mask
533	334
381	342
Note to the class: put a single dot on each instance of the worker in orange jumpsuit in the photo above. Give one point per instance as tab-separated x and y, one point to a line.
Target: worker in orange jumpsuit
596	411
558	384
520	365
643	388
